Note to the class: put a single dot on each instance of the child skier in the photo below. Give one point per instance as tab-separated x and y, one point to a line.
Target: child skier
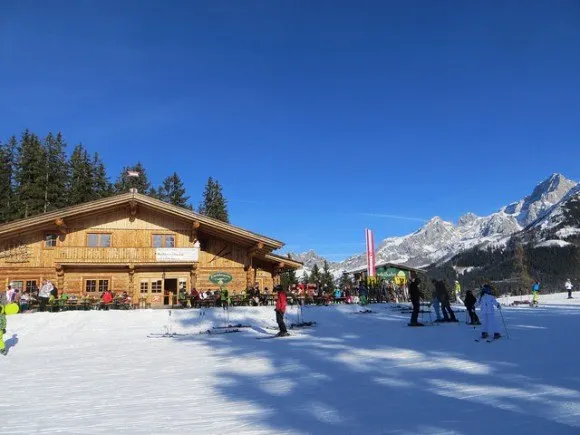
487	304
2	330
470	306
535	293
569	287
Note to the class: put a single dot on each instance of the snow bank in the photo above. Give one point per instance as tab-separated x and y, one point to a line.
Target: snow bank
551	243
97	372
567	232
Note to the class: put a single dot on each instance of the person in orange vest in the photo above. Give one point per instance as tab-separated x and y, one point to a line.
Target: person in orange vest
281	301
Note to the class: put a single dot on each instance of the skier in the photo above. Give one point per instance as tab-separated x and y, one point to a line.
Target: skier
487	304
2	330
535	292
470	306
363	293
436	305
415	294
443	296
568	285
457	289
280	309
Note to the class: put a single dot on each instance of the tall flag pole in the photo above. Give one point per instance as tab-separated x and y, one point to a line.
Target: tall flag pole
371	271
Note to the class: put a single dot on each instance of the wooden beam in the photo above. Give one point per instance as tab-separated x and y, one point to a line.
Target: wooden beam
133	207
60	224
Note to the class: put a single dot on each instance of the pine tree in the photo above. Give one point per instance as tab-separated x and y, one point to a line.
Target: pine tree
173	192
345	281
305	278
520	267
102	188
7	169
30	176
56	173
157	193
214	204
288	279
315	276
81	180
326	278
141	183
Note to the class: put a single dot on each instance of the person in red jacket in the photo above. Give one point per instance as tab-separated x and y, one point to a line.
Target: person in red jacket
281	301
106	299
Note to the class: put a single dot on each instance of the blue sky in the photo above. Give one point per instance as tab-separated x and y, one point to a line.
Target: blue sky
319	118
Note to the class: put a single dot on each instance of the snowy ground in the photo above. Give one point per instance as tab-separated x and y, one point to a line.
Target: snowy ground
97	372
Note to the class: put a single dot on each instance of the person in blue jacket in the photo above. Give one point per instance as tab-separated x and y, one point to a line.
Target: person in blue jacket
535	293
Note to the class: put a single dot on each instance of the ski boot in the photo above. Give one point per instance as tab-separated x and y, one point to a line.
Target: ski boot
4	352
415	324
496	336
484	335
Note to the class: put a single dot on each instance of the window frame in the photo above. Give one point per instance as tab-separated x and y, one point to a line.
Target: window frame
99	235
155	281
163	240
50	233
97	284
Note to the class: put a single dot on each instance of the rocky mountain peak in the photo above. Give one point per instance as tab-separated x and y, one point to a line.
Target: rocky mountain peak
466	219
438	239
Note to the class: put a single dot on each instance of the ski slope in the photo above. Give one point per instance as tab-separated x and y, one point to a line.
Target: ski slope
97	372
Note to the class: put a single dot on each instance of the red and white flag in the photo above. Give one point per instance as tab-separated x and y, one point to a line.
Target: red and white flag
371	271
132	173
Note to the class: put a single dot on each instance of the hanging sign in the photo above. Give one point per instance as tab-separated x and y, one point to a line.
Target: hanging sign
220	278
177	255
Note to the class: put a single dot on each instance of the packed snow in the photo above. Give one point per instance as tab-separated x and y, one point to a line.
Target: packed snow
98	372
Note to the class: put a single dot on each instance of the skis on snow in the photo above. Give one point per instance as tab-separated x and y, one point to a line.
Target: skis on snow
178	335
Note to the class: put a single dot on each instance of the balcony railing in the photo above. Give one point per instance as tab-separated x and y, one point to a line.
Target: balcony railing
114	255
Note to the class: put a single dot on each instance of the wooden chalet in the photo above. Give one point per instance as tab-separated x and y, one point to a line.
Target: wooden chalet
134	243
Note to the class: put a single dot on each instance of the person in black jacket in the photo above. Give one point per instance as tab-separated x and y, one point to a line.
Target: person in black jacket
415	295
470	306
443	296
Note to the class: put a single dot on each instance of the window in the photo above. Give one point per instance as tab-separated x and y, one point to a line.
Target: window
103	285
144	286
17	284
92	285
50	240
156	286
24	285
97	240
163	241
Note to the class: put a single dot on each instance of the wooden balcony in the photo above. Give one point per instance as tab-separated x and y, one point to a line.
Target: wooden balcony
111	256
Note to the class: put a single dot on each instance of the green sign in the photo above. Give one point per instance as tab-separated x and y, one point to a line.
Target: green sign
220	278
387	273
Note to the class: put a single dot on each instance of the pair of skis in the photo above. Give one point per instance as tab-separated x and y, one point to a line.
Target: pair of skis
487	340
218	331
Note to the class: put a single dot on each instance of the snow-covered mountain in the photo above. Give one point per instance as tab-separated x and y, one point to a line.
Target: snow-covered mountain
438	240
309	259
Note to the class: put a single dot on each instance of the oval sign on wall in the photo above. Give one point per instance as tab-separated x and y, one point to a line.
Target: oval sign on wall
220	278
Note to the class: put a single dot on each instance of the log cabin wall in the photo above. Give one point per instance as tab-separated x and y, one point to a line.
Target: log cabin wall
127	261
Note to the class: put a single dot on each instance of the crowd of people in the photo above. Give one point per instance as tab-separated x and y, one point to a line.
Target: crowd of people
48	298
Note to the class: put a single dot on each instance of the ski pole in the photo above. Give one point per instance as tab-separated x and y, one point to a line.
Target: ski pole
504	324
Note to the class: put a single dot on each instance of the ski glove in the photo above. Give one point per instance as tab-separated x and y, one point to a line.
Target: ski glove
4	331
